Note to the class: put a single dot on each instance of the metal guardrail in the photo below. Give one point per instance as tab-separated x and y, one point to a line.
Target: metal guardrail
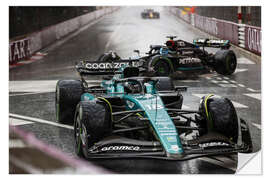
242	35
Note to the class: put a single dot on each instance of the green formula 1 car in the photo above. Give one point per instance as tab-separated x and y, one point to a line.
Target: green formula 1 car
129	116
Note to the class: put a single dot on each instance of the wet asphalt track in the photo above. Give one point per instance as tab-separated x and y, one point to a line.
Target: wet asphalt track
32	86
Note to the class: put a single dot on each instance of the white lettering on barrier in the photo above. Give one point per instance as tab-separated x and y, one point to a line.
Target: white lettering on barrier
254	39
19	50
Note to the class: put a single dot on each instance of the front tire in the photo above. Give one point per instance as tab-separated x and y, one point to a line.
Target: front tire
225	62
92	123
219	115
67	95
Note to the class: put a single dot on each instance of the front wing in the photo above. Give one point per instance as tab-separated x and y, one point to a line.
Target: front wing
119	147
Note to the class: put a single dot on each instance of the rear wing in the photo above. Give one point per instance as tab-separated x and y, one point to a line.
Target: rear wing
105	68
214	43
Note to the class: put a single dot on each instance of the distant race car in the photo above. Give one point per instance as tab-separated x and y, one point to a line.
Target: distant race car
150	14
128	116
179	55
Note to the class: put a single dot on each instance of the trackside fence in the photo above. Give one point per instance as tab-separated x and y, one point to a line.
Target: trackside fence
21	48
241	35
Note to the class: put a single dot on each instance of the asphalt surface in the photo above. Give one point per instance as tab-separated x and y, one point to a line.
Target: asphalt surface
32	86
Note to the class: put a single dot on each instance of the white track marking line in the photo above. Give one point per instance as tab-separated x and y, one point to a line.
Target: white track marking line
254	95
208	78
243	60
18	122
227	85
240	70
252	90
214	81
232	81
226	78
23	94
241	85
37	86
224	81
40	121
236	104
257	125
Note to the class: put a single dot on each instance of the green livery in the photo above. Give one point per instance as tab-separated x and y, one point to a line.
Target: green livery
130	116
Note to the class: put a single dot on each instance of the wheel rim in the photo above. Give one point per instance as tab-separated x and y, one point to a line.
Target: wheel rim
231	64
77	133
162	68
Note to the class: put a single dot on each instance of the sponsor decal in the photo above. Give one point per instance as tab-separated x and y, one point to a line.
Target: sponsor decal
163	123
168	131
212	41
168	134
130	104
187	52
174	147
108	65
171	138
213	144
189	60
121	148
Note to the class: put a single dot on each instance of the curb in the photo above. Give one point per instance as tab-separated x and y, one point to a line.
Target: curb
255	58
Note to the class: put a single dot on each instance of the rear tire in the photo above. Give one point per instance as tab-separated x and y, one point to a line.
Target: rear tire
67	95
158	66
92	123
219	115
225	62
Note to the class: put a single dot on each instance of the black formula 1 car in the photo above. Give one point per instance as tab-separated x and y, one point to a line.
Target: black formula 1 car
179	55
129	116
150	14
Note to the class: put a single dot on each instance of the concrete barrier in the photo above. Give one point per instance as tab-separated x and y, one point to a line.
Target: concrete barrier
23	48
241	35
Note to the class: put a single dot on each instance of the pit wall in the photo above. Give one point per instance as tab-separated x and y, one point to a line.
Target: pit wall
241	35
21	48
